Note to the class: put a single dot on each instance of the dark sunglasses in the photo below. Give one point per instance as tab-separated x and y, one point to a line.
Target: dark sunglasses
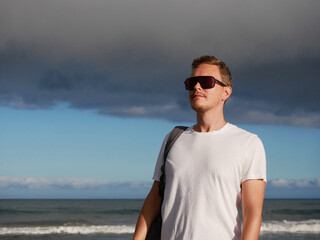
206	82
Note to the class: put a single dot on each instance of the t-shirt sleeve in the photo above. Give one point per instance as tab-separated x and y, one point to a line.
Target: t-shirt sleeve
255	166
157	171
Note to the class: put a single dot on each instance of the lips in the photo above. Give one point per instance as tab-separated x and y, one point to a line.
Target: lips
197	95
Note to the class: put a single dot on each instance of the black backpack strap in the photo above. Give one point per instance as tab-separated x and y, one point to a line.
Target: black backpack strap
175	133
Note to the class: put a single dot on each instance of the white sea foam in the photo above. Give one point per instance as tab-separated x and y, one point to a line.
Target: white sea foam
308	226
311	226
84	230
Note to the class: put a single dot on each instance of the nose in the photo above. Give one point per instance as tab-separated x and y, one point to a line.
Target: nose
197	86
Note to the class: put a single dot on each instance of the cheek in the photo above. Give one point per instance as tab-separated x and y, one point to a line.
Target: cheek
218	92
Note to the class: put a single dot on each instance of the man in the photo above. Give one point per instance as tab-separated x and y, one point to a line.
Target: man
210	169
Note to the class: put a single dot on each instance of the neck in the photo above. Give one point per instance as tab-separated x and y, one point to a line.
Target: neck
208	122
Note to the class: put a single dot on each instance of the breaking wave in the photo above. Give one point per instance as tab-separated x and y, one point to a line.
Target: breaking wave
83	230
308	226
311	226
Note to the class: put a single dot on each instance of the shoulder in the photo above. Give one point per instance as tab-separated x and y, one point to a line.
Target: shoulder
176	132
235	130
244	136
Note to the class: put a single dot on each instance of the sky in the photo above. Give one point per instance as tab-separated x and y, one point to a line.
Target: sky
89	89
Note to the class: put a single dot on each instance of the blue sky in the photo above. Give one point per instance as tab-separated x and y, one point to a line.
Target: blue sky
89	89
62	152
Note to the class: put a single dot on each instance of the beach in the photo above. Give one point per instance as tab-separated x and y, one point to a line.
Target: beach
297	219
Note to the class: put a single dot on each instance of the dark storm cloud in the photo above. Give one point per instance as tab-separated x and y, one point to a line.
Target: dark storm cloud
129	58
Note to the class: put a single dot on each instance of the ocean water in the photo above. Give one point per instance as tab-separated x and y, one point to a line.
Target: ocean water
115	219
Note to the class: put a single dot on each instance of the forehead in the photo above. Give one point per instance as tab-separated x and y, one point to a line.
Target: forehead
207	70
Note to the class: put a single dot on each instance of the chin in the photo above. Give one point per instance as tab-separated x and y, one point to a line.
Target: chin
198	108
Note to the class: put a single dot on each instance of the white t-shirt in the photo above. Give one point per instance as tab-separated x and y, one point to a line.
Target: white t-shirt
204	172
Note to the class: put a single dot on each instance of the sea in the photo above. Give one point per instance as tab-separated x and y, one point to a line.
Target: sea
297	219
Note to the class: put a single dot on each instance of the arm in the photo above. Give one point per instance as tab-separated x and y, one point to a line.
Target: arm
252	202
150	210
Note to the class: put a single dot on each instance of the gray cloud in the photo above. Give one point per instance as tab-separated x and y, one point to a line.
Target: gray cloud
289	188
35	183
130	58
285	183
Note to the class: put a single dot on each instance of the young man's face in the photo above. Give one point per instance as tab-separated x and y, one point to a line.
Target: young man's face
203	100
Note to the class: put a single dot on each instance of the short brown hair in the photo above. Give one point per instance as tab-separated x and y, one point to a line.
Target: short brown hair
224	69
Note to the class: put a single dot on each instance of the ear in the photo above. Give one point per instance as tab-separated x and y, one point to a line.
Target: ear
227	93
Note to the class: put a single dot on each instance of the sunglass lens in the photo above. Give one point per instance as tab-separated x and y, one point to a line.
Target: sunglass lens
205	82
190	83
